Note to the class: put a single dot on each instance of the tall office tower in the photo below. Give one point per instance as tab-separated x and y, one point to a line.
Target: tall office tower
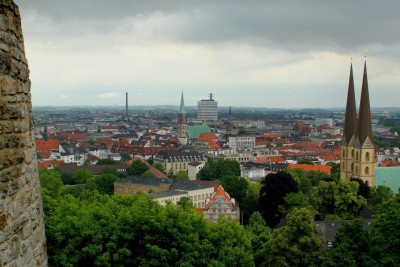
182	123
357	150
207	110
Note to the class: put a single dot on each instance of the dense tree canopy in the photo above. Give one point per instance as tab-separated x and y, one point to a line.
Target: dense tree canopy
218	169
274	187
137	168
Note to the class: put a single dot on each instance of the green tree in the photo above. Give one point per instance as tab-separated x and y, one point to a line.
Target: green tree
340	199
159	166
351	245
236	187
218	169
260	234
274	187
50	180
125	156
182	175
148	174
81	176
379	195
171	174
294	201
294	244
384	236
251	202
105	183
137	168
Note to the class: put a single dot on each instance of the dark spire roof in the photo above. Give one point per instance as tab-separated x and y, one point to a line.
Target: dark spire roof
350	120
45	135
364	128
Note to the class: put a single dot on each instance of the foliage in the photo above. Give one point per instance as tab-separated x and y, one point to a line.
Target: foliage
379	195
218	169
81	176
125	156
182	175
107	161
351	245
50	180
384	234
341	199
236	187
363	189
137	231
137	168
294	201
294	244
251	202
148	174
335	173
105	183
274	187
159	166
305	161
260	234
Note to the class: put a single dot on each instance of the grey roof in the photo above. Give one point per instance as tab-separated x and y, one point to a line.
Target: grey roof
144	181
169	193
186	185
95	169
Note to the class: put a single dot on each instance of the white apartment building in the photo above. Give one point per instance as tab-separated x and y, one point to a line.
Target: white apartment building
242	142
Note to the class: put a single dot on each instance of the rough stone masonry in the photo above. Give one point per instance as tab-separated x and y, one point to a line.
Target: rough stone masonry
22	236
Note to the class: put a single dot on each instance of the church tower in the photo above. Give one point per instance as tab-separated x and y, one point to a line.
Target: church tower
365	152
349	132
357	150
182	123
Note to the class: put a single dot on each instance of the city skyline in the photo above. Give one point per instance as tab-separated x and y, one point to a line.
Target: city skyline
274	55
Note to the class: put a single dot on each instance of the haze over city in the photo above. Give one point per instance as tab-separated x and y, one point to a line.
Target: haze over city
264	54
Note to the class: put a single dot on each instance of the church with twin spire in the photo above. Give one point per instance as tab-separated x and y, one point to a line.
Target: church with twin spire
357	149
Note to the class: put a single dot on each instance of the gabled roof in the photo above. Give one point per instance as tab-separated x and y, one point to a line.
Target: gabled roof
207	136
51	144
220	192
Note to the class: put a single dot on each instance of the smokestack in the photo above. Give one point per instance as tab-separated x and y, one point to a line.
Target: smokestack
126	107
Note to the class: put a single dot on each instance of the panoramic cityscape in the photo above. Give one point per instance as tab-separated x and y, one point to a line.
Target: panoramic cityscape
185	134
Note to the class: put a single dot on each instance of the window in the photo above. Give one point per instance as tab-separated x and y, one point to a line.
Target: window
344	153
343	166
367	156
356	169
366	171
352	166
357	155
352	154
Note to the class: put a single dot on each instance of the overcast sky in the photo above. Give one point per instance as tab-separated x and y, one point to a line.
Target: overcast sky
278	54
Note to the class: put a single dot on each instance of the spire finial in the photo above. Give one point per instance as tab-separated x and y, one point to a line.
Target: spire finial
351	56
365	53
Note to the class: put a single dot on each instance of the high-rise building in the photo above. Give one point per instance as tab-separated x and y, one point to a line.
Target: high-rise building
207	110
357	149
182	123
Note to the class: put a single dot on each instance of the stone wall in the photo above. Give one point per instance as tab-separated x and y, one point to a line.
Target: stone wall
22	237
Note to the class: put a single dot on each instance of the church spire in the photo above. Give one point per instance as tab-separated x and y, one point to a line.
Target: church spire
45	134
364	119
182	109
350	120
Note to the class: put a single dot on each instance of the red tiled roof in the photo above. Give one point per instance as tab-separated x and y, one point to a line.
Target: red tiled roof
315	168
329	157
157	173
51	144
47	164
207	136
274	159
219	192
213	145
271	135
44	154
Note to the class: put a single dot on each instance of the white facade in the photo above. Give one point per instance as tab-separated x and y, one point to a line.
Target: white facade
194	168
242	142
207	110
253	173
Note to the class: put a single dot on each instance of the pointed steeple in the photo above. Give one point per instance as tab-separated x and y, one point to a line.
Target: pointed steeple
182	109
45	135
364	128
350	120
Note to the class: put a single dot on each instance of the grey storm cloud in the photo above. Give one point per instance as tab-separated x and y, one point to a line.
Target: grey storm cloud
294	25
